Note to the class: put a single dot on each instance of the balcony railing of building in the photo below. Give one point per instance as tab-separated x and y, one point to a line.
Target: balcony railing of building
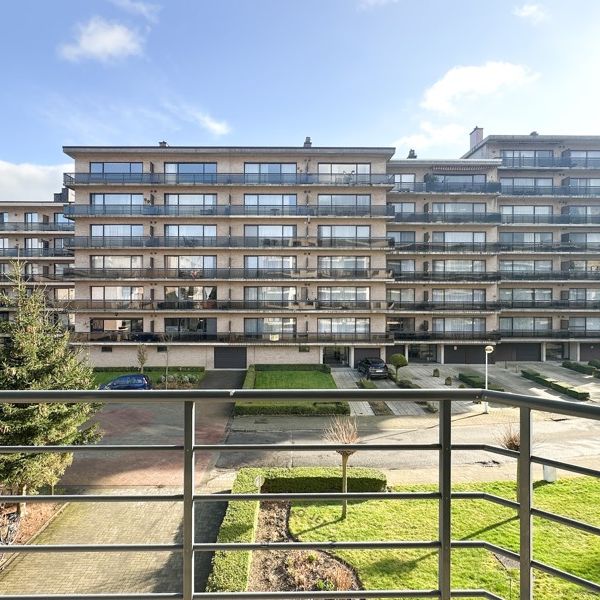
563	334
211	179
228	273
528	162
549	304
427	335
190	496
550	190
223	242
35	252
28	227
450	276
492	247
496	218
491	187
495	305
565	275
197	337
158	210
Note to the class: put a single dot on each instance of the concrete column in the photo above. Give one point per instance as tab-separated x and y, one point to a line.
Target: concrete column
543	351
351	356
406	351
321	354
574	351
440	354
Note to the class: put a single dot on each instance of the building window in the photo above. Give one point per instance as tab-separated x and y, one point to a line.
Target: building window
459	266
584	324
117	293
115	262
190	172
205	295
270	172
270	234
116	230
353	232
344	172
514	238
460	208
191	263
106	349
116	167
191	231
401	296
270	263
116	199
398	238
458	296
335	265
525	296
459	324
458	237
344	325
272	327
532	185
332	201
124	325
525	323
404	182
403	208
264	204
340	295
406	265
530	266
204	327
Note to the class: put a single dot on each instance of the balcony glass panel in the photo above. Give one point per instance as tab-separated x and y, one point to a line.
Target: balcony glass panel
204	200
458	295
191	293
270	263
344	325
459	325
120	325
116	167
191	262
206	327
116	230
458	266
270	326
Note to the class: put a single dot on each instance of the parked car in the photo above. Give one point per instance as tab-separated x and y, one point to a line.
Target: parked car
372	368
134	381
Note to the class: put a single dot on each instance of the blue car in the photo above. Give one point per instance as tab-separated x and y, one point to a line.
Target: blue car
135	381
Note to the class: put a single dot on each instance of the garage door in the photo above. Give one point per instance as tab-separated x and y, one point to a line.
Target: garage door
513	352
360	353
466	354
589	352
230	358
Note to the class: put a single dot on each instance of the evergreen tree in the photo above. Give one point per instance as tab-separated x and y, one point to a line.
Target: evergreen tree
36	356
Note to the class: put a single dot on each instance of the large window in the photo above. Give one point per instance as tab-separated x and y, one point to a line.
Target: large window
525	213
275	295
344	204
458	237
195	264
582	211
582	183
190	295
176	204
525	323
348	326
264	204
403	208
458	208
116	230
120	168
337	265
341	296
517	238
117	295
270	263
344	172
270	235
271	327
458	296
584	294
583	158
270	172
458	266
116	262
194	231
119	325
526	185
401	296
527	158
404	182
405	265
202	328
116	199
584	324
340	235
525	296
528	266
398	238
190	172
459	324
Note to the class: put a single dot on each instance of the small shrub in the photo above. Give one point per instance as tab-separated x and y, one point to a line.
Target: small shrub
575	366
462	386
407	384
436	373
448	381
366	384
594	363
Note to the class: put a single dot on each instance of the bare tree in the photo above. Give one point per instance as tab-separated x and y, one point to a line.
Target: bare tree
343	430
142	356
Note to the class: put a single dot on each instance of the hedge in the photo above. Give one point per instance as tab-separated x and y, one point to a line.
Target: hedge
294	367
366	384
555	385
575	366
407	384
250	378
230	570
301	407
594	363
478	381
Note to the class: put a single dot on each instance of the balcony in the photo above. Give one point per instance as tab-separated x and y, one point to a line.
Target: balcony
427	217
551	162
184	551
208	274
424	336
439	187
221	242
551	190
228	179
29	227
562	334
550	219
549	304
431	306
231	338
163	210
440	247
446	276
549	275
35	253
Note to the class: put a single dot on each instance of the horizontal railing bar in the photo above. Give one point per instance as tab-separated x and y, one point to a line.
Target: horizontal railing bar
312	447
57	548
483	496
566	466
550	516
91	448
316	496
461	544
585	583
487	448
351	545
310	595
131	596
93	498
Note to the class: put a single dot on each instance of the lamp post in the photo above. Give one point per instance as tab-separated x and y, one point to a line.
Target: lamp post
488	350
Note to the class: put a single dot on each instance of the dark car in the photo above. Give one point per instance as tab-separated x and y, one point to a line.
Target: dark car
372	368
135	381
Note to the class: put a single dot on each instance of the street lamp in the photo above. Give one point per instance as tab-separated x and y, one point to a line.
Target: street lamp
488	350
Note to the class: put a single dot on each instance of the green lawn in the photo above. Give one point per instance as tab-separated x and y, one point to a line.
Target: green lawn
288	379
154	373
559	546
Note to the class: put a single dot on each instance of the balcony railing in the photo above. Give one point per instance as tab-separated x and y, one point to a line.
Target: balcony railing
231	337
189	448
442	306
528	162
550	190
35	252
550	275
28	227
551	219
446	276
491	187
183	210
549	304
222	242
220	273
563	334
492	247
496	218
422	335
212	179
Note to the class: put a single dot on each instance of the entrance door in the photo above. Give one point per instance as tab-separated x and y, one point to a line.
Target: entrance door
336	356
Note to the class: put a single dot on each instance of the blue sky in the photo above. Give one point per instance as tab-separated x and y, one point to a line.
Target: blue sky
261	72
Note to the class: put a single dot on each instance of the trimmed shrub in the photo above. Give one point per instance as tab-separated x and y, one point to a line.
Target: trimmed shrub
478	381
407	384
302	407
366	384
448	381
580	368
557	386
293	367
594	363
250	378
436	373
230	570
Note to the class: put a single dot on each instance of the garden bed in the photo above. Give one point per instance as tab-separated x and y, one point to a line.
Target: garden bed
553	384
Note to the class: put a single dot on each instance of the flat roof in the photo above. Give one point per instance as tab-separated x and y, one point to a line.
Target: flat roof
450	162
73	151
533	139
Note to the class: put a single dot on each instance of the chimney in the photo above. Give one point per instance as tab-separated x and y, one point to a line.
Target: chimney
412	154
307	142
163	144
476	136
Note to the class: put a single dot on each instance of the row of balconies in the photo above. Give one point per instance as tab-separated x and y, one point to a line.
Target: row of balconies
496	218
28	227
493	187
317	305
321	242
535	162
35	252
326	338
495	275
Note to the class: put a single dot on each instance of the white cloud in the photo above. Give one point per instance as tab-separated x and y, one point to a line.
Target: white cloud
102	40
429	136
25	181
469	82
197	116
531	12
137	7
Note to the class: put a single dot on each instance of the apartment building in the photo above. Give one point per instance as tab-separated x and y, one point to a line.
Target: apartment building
227	256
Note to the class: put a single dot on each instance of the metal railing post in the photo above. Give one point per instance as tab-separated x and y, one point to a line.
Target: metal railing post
189	424
525	491
445	485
